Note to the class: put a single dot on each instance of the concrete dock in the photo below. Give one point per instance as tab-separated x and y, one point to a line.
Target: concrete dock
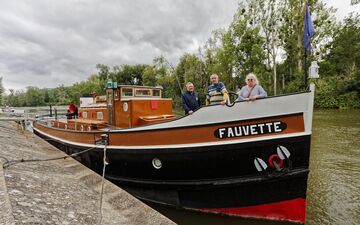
61	191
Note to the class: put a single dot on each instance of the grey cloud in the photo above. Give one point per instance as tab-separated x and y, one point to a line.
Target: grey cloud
49	43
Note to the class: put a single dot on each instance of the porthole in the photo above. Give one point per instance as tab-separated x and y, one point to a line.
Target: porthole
156	163
82	127
125	107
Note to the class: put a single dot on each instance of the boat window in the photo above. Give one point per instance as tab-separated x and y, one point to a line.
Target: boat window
110	98
85	115
142	92
156	93
116	95
99	115
127	92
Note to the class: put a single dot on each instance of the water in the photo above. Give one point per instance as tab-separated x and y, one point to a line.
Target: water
333	195
32	112
334	182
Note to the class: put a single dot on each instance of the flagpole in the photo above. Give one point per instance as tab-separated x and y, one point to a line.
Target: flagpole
305	50
305	70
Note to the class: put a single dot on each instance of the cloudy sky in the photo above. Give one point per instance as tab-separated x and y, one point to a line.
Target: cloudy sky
48	43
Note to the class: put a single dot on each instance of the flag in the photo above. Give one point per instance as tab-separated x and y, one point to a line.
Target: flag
308	29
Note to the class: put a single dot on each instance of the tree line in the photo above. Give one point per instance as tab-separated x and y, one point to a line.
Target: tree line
265	37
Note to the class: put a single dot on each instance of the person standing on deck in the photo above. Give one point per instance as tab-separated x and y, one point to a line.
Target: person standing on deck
216	92
190	99
72	111
252	90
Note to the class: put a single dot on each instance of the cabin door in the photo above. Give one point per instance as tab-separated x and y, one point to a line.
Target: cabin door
110	106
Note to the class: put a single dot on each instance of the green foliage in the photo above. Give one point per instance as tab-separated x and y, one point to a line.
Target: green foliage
128	74
104	72
332	93
265	37
191	69
341	68
34	97
345	49
149	76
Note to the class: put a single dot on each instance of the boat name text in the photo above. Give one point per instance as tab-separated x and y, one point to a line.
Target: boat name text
250	129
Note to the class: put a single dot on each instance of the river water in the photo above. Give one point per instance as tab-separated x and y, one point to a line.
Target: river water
333	195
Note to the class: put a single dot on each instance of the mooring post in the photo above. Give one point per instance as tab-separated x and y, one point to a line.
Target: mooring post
50	111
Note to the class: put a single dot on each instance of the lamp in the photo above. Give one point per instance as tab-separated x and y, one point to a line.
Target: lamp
314	70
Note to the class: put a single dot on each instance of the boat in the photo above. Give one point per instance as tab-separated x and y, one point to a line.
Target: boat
247	158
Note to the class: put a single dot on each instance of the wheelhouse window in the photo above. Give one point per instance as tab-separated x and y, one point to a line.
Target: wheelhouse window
156	93
143	92
127	92
110	98
116	95
99	115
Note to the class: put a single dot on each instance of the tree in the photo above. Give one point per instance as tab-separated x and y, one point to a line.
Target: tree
129	74
341	68
291	38
149	76
345	59
104	71
34	97
243	45
270	21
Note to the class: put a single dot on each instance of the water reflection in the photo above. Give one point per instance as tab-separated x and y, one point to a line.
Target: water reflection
334	183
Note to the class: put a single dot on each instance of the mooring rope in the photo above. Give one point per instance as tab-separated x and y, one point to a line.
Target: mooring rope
6	160
102	185
9	163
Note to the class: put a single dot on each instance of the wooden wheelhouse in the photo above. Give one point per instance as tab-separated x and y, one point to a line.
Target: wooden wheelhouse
123	106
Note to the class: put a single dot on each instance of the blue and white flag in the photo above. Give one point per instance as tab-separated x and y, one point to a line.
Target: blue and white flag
308	29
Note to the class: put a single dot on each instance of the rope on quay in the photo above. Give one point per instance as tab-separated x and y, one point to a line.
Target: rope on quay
6	160
9	163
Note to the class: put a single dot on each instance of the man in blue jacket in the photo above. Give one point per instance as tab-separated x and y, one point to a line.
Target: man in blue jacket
190	99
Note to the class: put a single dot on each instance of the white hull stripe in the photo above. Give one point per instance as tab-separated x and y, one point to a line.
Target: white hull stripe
237	141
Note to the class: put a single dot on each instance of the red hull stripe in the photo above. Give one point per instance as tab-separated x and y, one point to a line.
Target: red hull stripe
291	210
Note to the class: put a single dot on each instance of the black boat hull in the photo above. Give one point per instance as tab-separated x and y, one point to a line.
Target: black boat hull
216	179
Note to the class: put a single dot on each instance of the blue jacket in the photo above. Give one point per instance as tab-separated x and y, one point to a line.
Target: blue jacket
190	101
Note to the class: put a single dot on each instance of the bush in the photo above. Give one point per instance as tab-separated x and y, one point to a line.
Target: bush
349	100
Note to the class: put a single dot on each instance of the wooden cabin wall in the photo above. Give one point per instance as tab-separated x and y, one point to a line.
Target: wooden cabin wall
150	108
92	113
138	108
122	117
